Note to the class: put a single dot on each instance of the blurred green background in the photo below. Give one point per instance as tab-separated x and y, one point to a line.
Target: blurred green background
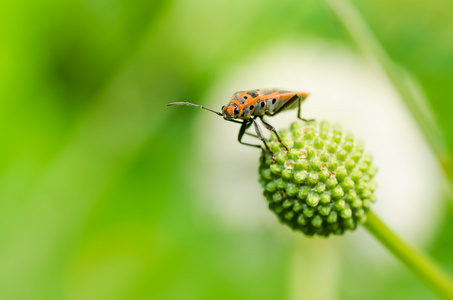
95	201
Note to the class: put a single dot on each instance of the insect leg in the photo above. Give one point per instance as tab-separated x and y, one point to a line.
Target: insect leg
251	134
299	110
260	135
234	121
247	133
245	125
272	128
288	103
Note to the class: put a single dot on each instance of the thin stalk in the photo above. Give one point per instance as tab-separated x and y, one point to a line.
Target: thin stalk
407	87
422	266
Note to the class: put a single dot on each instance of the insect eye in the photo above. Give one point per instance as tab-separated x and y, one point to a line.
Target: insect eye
236	111
262	104
274	100
252	107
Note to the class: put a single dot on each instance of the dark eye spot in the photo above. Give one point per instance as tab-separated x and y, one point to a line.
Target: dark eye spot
262	104
236	111
245	97
274	100
252	107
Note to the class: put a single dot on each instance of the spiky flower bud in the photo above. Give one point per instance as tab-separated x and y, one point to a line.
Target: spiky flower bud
323	185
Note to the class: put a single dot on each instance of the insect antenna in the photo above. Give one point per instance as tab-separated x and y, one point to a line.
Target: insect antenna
196	105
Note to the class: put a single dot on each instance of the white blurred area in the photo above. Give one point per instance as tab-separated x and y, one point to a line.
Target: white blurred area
344	88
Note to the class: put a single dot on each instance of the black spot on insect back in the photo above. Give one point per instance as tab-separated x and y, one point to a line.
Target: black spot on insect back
274	100
253	94
240	99
262	104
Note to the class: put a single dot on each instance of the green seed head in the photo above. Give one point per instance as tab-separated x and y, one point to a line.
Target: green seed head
323	185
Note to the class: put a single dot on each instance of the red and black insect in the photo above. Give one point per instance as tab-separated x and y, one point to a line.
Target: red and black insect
250	105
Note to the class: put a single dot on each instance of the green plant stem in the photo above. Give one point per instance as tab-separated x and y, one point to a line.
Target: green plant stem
409	90
422	266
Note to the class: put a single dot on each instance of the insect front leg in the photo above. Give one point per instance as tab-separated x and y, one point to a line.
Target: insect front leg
245	125
272	128
251	134
245	131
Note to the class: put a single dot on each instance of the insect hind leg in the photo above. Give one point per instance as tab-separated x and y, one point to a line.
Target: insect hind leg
290	102
299	111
